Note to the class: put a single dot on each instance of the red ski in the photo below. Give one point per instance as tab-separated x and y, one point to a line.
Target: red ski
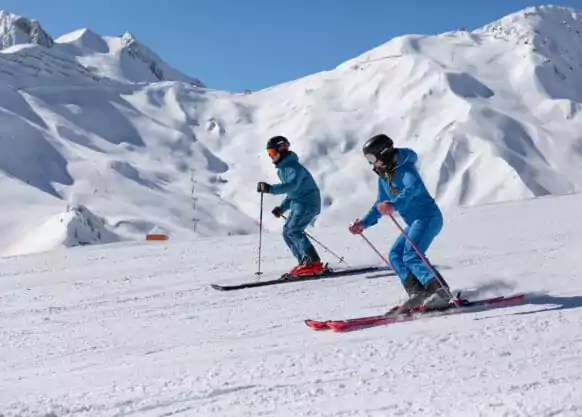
370	321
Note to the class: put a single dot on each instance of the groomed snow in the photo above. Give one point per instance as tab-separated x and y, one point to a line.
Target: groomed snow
135	329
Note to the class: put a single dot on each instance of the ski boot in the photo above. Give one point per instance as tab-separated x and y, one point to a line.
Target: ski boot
431	296
310	264
293	271
417	293
438	296
308	268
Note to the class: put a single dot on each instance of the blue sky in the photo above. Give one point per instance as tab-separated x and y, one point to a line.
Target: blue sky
236	44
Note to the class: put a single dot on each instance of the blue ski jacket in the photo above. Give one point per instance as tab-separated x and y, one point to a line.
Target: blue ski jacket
297	183
405	190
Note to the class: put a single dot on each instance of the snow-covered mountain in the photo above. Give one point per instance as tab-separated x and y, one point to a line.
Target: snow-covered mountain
120	58
493	113
15	30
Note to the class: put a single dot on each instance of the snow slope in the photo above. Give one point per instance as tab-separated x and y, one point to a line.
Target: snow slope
120	58
135	329
493	113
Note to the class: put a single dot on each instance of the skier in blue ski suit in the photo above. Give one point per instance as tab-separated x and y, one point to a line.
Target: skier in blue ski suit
401	189
303	199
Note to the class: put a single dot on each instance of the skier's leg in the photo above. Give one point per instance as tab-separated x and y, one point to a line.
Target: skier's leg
422	232
296	228
310	257
289	236
395	256
310	254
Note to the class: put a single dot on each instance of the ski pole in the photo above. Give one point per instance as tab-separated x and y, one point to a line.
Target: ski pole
427	263
341	259
376	250
260	235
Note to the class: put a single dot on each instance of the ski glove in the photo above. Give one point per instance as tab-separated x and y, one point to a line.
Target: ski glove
277	212
356	227
263	187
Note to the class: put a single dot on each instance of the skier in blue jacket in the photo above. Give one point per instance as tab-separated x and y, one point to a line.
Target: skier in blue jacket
401	189
303	198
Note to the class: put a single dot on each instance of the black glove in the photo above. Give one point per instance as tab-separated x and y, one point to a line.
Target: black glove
263	187
277	212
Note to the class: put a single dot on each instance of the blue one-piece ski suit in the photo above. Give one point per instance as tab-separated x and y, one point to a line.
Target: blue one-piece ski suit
407	193
303	199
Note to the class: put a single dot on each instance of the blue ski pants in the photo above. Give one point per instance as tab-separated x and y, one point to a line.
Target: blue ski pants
293	231
402	255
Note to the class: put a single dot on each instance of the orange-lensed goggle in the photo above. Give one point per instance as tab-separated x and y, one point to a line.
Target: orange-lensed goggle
272	151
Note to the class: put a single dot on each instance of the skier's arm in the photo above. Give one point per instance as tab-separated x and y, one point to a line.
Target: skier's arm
292	182
412	186
371	218
373	215
284	206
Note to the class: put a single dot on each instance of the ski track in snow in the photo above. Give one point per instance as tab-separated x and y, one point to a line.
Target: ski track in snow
135	329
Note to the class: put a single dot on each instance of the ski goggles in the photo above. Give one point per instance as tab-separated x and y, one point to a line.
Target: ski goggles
272	151
371	158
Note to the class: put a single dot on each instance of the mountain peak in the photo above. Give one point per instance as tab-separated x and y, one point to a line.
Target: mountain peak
15	30
533	22
82	42
141	53
128	38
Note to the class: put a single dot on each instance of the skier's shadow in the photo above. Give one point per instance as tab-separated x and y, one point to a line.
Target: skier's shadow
559	303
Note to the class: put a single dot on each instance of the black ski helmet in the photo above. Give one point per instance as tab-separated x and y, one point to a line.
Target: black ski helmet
279	143
379	147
